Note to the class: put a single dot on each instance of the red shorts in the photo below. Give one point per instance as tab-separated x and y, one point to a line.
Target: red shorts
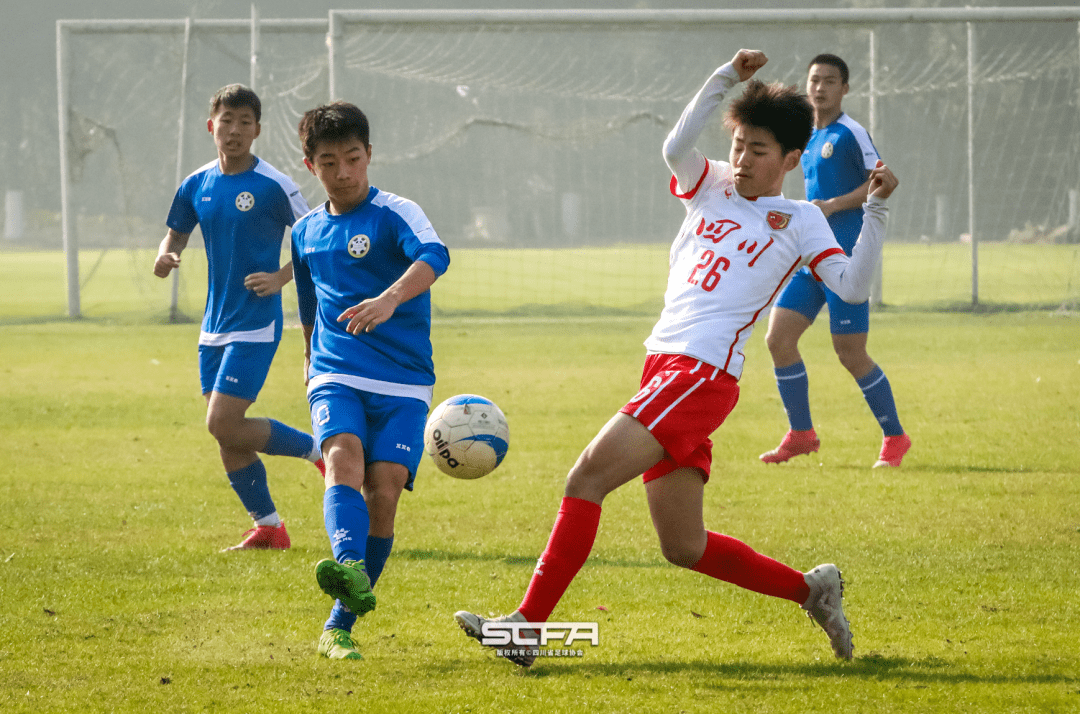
682	401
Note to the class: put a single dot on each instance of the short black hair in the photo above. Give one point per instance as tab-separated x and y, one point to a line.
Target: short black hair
833	60
236	96
337	121
784	111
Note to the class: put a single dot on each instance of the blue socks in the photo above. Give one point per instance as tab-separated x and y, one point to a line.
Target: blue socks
250	485
794	388
378	550
878	394
346	517
286	441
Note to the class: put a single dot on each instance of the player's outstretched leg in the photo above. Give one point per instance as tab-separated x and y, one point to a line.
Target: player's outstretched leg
521	655
795	443
338	644
336	640
893	449
825	606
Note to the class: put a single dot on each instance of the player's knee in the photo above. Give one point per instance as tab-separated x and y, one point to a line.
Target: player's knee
581	483
222	428
782	346
854	359
680	551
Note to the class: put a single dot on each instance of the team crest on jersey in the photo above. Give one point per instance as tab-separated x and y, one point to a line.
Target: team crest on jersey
778	221
245	201
826	150
716	231
359	245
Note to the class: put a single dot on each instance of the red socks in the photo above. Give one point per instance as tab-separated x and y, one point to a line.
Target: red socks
733	561
568	547
725	558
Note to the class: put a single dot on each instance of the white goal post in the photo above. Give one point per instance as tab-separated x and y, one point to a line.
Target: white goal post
540	129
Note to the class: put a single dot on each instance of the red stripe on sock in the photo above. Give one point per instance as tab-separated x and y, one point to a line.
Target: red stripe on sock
568	548
735	562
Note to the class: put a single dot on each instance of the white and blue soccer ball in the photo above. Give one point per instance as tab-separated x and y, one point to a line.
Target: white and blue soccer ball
467	436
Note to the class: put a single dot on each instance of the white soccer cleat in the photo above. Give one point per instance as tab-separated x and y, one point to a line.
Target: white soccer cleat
825	607
473	627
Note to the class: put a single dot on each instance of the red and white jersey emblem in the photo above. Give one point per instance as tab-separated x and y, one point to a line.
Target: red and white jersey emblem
778	221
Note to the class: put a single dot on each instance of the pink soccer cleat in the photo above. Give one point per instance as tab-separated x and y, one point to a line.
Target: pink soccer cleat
893	449
795	443
263	538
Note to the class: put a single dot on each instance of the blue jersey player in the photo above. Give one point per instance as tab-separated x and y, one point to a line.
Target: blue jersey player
836	166
364	262
243	207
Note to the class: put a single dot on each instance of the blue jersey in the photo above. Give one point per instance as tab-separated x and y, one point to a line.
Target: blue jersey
243	218
340	261
837	161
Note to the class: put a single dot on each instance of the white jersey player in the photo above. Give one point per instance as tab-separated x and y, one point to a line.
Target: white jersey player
740	242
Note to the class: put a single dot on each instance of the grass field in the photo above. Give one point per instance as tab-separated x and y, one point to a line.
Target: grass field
619	280
962	567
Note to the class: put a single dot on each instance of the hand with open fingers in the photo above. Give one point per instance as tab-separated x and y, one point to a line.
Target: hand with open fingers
882	181
165	264
366	316
746	62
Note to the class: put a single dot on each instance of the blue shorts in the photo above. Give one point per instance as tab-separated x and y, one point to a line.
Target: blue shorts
390	428
238	369
805	295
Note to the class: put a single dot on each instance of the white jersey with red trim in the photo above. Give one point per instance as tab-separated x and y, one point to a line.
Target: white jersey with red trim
728	263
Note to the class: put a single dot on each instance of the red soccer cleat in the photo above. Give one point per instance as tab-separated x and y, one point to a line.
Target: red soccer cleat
263	538
893	449
321	466
795	443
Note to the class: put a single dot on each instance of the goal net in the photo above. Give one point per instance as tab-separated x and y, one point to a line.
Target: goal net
532	141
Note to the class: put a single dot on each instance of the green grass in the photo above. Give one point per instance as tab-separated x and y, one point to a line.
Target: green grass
627	280
961	566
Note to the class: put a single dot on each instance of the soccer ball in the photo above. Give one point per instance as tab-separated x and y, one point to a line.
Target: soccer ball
467	436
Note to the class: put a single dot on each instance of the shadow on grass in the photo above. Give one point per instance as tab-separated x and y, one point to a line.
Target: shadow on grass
870	667
529	560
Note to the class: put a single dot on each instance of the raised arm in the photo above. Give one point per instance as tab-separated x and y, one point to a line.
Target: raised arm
686	162
852	278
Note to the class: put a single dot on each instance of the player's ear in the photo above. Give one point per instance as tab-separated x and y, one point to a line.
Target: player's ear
791	159
258	129
310	166
210	125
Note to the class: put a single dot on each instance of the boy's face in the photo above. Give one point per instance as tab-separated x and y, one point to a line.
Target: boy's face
341	167
758	162
825	88
234	130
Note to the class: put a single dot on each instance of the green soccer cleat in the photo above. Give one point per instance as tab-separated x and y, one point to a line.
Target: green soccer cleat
336	643
346	582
